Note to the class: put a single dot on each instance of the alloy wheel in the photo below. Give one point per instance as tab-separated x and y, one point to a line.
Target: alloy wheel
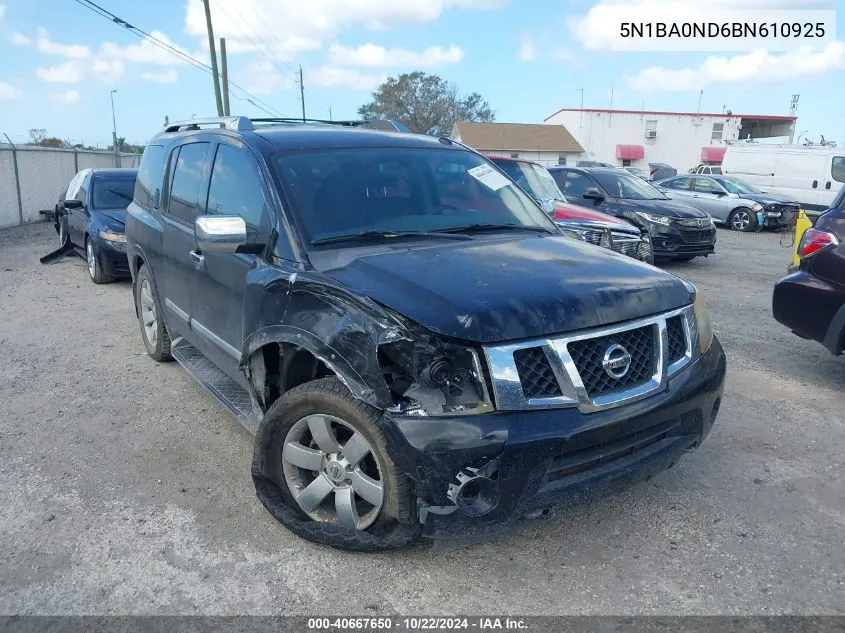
92	261
149	318
740	221
332	472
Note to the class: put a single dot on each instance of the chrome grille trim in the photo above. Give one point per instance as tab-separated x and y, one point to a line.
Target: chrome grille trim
507	388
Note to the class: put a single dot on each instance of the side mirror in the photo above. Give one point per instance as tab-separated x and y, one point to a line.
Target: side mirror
72	203
220	233
721	194
592	194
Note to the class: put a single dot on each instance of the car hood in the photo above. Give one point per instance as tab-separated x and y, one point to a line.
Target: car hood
670	208
768	198
118	215
565	213
493	290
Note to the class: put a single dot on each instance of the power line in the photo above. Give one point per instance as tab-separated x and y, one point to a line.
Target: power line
104	13
273	34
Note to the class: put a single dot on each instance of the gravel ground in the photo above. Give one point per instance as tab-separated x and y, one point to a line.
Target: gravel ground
125	488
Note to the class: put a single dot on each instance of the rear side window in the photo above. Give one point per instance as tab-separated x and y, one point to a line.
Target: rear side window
235	187
148	185
837	168
678	183
187	176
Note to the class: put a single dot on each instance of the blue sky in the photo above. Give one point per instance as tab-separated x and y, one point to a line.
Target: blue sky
528	58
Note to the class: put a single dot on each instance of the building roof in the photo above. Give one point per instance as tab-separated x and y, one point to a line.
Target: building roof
525	137
718	115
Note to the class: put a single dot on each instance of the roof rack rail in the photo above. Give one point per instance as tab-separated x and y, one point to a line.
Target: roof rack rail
388	125
225	122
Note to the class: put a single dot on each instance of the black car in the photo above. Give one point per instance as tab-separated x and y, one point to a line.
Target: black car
417	348
678	231
90	216
811	300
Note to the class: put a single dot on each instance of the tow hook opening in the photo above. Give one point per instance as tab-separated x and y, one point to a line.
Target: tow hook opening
477	492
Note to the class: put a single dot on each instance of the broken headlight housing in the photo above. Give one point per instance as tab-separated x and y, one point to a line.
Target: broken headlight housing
430	377
702	319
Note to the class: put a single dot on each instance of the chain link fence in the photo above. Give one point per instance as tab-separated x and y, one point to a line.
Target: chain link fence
33	178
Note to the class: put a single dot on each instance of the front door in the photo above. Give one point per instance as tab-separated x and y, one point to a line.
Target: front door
236	187
77	219
708	195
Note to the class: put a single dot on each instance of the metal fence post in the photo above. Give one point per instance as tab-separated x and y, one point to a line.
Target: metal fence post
75	162
17	178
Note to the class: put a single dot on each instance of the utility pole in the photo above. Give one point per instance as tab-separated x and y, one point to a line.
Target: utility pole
213	52
302	92
225	76
700	94
114	131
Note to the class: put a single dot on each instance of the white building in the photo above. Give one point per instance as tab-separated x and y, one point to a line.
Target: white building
543	144
681	139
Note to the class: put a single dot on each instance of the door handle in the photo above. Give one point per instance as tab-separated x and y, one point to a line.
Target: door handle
197	258
815	184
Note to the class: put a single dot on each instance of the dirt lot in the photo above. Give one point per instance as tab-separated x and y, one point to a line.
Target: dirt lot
125	488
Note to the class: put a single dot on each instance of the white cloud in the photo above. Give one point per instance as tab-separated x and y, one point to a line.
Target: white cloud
19	39
9	93
2	11
68	73
374	56
71	51
144	52
68	97
751	68
107	70
528	49
289	27
167	76
262	78
334	76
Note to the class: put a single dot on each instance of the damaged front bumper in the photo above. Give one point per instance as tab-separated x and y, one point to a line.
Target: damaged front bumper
480	474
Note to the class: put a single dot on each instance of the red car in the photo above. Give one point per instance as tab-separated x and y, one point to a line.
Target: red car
577	222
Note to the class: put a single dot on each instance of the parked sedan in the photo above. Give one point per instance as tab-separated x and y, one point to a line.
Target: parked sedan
678	230
90	220
732	201
811	300
577	222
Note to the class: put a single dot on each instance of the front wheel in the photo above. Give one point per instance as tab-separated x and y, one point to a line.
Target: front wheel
321	468
742	219
95	271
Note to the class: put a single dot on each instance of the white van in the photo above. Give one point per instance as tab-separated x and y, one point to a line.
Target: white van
812	174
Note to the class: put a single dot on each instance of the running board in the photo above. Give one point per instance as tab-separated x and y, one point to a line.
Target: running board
234	397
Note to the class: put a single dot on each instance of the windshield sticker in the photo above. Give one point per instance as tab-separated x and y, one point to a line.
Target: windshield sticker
489	177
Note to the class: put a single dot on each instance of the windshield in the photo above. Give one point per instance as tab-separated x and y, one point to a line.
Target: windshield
346	192
624	185
734	185
112	193
534	179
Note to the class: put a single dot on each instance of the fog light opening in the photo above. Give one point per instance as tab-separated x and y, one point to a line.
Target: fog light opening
478	496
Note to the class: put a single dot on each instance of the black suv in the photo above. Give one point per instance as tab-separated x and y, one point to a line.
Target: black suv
416	347
678	230
811	300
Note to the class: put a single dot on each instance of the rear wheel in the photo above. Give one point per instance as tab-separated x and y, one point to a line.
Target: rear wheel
742	219
153	331
321	467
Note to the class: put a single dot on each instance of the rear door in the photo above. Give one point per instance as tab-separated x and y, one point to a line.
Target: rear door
237	186
187	173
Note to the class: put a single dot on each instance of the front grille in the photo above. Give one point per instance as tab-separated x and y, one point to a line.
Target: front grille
698	236
588	355
622	242
617	442
535	373
677	339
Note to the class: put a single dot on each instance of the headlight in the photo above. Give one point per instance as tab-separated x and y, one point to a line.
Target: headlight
705	328
111	236
756	206
575	235
429	377
655	219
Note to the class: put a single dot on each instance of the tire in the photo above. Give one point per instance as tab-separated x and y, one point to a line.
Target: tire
742	219
94	270
328	404
153	330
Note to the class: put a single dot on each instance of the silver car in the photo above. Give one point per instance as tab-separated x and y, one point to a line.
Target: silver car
731	201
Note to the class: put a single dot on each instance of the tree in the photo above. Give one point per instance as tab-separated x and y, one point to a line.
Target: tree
425	103
37	135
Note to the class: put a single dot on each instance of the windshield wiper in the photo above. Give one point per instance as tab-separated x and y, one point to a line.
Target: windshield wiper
493	227
380	235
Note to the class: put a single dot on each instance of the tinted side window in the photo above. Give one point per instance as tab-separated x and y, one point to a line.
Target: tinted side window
148	185
235	187
187	176
678	183
576	184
